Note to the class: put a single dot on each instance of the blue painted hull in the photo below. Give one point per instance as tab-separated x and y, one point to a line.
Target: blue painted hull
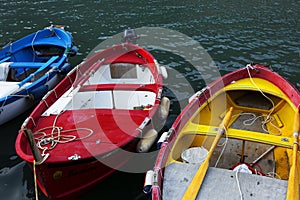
31	66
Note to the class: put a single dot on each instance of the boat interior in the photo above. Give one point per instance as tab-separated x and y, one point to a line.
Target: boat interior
257	141
113	86
19	65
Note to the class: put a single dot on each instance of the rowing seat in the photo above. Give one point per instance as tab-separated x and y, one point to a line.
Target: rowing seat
28	64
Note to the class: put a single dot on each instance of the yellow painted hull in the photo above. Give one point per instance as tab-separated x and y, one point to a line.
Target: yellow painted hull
261	131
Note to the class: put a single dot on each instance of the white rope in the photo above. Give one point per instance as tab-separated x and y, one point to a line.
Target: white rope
238	184
224	146
252	81
251	121
35	183
32	120
35	35
269	118
273	175
44	100
56	96
55	137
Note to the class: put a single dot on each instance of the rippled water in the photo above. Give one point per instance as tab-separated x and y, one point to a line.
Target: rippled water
234	33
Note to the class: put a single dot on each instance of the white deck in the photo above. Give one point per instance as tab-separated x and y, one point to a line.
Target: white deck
112	99
101	99
109	99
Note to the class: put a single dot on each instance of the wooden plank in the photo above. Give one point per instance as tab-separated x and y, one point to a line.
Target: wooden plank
221	184
225	184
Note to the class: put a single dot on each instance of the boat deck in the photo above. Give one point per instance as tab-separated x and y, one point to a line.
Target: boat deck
96	131
221	184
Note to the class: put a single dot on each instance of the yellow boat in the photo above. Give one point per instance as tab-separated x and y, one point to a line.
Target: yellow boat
236	139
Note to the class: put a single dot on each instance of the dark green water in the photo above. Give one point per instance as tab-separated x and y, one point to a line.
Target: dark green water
234	33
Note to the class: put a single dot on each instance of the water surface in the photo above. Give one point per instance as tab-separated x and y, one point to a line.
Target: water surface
234	33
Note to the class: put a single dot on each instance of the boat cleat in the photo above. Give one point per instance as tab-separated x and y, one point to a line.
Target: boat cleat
74	157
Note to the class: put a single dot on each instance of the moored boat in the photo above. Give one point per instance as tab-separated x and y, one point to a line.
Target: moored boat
80	130
30	66
236	139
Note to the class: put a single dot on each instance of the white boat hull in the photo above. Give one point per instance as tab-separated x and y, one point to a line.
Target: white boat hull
21	105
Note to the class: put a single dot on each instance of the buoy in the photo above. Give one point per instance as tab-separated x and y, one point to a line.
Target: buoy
162	139
148	181
38	92
73	51
65	68
164	72
147	141
164	108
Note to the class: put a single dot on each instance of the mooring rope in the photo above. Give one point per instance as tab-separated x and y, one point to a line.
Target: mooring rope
269	118
35	183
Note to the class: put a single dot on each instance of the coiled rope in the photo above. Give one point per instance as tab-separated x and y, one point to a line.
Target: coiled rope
56	136
49	141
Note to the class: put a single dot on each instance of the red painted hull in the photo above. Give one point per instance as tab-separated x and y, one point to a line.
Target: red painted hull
69	181
259	72
114	131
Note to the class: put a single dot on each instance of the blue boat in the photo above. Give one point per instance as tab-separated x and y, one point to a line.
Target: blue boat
31	66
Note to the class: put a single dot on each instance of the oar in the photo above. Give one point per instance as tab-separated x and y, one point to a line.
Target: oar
4	59
44	66
193	188
293	183
34	149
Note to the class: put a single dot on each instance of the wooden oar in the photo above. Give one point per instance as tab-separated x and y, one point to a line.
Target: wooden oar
193	188
35	151
293	183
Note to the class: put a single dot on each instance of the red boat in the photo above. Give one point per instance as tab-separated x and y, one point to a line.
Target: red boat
83	129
